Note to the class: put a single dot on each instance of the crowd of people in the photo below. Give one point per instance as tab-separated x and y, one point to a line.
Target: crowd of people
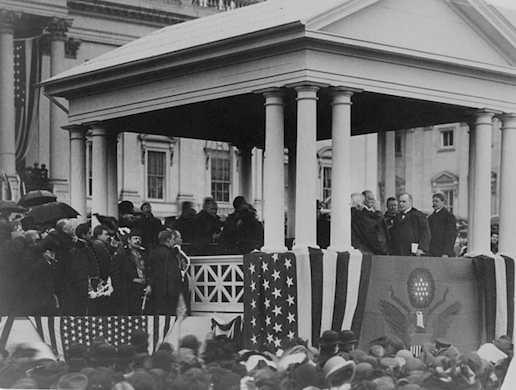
131	266
402	230
219	363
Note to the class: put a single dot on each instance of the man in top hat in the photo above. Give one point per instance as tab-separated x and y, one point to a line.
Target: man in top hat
131	277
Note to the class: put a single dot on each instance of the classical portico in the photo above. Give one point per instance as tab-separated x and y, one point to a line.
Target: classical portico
311	73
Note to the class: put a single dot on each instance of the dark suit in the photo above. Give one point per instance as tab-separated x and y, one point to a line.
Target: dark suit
408	229
167	282
128	289
443	227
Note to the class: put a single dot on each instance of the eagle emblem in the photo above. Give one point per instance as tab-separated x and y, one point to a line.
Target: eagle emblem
421	290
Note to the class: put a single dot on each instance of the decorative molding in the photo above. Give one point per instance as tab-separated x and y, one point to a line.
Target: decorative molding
8	20
114	11
72	47
58	28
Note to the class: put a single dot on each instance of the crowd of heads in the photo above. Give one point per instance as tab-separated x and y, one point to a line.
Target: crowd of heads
220	364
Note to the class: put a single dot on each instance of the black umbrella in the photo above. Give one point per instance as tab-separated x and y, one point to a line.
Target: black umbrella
51	212
36	198
9	206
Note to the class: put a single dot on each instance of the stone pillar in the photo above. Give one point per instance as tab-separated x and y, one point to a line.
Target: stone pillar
99	202
59	147
78	171
112	175
507	229
479	227
390	164
8	21
306	167
471	177
245	179
274	187
340	234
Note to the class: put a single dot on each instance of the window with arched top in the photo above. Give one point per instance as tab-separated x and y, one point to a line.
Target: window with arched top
218	163
448	184
324	157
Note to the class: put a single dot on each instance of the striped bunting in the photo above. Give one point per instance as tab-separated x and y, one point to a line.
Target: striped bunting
328	292
60	332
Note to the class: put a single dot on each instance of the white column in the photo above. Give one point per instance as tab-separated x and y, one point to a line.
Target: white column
340	234
507	229
112	175
246	173
479	227
306	167
99	170
59	145
8	20
471	177
274	189
78	171
390	164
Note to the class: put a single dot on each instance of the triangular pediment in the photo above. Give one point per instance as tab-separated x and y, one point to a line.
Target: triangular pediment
435	27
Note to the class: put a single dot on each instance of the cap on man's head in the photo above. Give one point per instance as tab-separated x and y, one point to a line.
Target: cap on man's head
135	232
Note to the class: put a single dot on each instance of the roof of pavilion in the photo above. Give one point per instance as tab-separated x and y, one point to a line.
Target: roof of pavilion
248	35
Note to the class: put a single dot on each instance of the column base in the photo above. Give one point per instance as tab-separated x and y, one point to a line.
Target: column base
298	247
61	189
274	249
341	248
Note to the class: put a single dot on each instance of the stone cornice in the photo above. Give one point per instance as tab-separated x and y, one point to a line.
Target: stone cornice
114	11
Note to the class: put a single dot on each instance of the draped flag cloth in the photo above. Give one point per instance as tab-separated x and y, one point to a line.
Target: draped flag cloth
27	73
60	332
232	329
289	295
464	301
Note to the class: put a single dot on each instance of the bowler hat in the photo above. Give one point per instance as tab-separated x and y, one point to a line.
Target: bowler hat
329	337
139	339
347	337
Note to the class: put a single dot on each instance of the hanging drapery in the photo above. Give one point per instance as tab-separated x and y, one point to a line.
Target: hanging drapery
27	73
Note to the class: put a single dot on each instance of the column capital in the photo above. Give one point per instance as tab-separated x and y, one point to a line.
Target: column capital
345	90
98	129
479	117
274	97
508	120
76	131
8	20
58	28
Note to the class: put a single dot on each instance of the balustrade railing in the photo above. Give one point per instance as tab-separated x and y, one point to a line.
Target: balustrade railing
224	5
217	284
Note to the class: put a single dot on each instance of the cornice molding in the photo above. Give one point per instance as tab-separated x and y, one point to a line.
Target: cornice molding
114	11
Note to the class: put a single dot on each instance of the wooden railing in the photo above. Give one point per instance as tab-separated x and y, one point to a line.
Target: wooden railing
217	284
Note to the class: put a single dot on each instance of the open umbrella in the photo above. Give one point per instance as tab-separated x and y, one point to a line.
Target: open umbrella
51	212
9	206
36	198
